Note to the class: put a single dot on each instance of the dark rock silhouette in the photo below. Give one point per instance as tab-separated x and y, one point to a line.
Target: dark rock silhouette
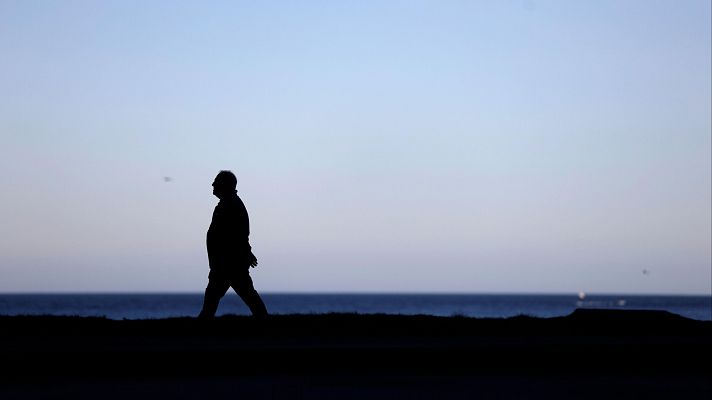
590	354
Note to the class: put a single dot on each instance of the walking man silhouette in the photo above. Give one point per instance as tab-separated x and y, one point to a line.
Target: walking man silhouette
229	252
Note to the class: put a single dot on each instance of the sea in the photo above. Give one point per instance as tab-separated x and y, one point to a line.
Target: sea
174	305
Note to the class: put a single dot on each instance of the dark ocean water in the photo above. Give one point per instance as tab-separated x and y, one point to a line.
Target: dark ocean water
141	306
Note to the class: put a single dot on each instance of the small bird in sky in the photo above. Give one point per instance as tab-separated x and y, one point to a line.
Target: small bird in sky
167	179
646	272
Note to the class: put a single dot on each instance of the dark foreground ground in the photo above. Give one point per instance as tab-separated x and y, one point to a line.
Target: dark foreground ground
590	354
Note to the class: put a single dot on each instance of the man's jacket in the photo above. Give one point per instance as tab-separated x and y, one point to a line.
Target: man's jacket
228	236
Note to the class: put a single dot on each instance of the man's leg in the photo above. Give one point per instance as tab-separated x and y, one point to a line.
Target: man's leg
244	288
216	289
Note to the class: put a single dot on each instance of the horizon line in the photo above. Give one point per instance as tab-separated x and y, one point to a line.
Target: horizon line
388	293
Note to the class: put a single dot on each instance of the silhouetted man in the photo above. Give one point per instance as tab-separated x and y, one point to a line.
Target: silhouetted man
229	252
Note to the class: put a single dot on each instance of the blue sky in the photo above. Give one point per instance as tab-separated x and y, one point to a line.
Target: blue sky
380	146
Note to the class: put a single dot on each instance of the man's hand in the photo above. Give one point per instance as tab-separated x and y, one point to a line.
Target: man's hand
252	259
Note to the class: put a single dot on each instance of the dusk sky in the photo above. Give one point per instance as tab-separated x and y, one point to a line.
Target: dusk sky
379	146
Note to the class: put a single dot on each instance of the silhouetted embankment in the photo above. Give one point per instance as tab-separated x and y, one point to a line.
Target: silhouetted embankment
588	354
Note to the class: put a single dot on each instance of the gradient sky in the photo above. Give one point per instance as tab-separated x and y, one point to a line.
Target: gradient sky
380	146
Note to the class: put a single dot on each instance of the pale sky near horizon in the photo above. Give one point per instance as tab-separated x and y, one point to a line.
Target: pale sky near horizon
380	146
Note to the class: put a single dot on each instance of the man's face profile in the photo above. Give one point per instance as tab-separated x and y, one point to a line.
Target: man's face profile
221	187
